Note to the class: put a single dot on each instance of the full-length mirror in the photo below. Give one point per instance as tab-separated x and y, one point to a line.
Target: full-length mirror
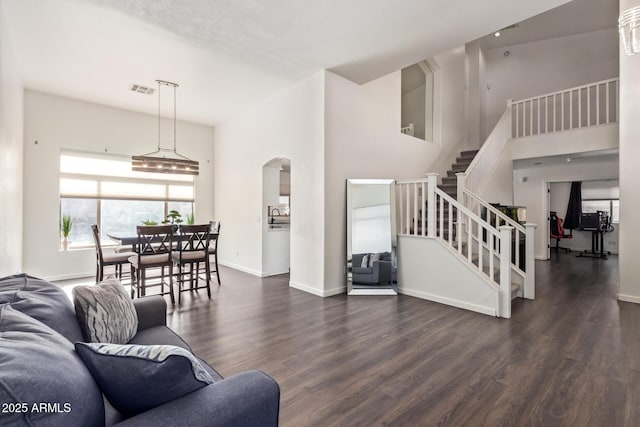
371	237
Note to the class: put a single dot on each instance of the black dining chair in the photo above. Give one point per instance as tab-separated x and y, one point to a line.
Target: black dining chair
116	259
213	246
153	250
192	251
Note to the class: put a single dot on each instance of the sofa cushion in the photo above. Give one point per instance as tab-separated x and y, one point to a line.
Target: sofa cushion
39	366
105	312
135	378
159	335
43	301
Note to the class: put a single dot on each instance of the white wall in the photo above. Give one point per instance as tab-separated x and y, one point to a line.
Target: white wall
430	271
11	121
58	123
363	140
629	170
287	125
475	78
558	201
546	66
530	190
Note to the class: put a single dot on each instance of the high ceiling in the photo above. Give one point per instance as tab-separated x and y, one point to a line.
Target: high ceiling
576	17
228	54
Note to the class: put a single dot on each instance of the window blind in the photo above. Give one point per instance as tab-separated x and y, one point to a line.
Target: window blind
108	176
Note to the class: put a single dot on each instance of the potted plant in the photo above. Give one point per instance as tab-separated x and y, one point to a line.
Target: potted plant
191	219
65	229
173	218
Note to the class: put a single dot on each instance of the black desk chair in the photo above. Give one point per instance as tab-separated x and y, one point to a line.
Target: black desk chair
557	231
193	250
153	250
117	259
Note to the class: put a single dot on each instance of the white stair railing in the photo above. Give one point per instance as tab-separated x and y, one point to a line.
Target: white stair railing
523	236
426	211
581	106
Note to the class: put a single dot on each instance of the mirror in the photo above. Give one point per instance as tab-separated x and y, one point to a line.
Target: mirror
371	237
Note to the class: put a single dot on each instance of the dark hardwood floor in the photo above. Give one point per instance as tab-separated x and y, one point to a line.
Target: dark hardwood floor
571	357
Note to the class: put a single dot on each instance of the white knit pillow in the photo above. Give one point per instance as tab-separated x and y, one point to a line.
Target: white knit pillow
105	312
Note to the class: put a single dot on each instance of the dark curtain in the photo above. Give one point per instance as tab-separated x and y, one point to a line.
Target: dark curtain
574	209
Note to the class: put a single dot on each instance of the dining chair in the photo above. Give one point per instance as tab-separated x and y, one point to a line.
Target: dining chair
117	259
213	246
192	250
153	250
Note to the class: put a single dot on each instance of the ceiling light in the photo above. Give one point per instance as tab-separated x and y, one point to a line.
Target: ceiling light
165	160
629	27
496	34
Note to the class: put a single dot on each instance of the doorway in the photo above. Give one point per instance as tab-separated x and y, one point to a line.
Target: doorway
597	195
276	214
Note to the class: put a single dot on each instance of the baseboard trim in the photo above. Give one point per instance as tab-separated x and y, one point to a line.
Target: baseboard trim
317	292
69	276
629	298
241	268
449	301
274	274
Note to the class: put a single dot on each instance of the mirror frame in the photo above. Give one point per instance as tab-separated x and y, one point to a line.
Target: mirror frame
392	288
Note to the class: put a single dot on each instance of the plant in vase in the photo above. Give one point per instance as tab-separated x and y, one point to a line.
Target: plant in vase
65	230
191	219
173	217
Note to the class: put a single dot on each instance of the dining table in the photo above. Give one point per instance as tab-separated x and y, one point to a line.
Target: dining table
131	239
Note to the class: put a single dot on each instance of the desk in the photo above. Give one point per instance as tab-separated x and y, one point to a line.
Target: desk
597	244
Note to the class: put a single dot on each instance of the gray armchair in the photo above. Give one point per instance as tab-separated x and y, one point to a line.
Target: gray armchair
376	273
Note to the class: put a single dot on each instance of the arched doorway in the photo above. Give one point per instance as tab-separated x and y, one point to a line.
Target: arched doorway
276	197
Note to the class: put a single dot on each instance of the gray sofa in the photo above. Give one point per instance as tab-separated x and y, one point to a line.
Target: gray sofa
43	382
379	272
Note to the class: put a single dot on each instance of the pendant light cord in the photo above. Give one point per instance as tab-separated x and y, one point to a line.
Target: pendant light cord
159	119
174	119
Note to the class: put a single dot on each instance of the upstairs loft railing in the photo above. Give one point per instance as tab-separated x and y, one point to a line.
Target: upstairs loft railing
426	211
592	104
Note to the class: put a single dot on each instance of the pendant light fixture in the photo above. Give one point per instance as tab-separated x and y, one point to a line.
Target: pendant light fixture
165	160
629	26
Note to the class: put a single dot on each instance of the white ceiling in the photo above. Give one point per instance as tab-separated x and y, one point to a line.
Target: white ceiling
228	54
576	17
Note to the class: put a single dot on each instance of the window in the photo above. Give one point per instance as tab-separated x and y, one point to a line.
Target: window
602	196
102	189
420	91
611	207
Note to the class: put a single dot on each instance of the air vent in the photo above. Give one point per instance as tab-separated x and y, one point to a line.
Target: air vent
142	89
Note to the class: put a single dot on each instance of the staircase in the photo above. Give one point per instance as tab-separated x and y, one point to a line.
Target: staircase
478	246
450	182
459	250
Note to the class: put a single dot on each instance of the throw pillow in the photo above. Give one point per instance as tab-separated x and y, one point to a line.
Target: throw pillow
105	312
136	378
43	382
373	258
365	261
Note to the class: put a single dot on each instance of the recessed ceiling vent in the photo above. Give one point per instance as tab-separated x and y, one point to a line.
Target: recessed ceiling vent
142	89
